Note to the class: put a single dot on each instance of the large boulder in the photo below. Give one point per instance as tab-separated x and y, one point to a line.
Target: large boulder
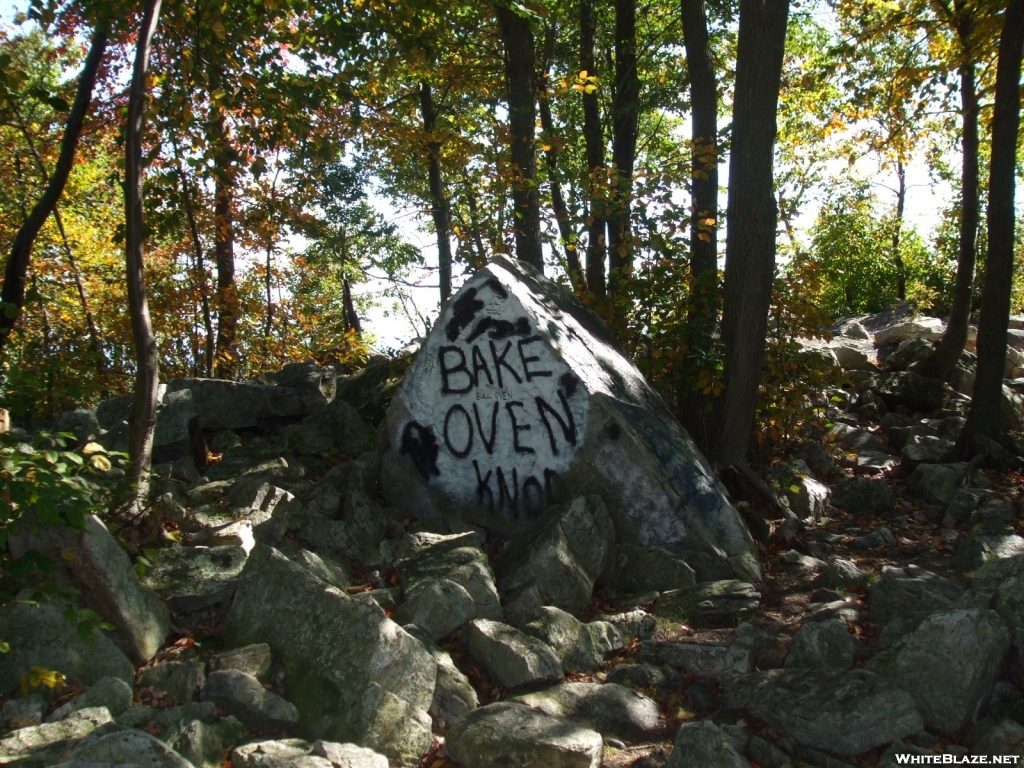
904	591
509	657
48	743
842	711
107	580
510	734
193	578
562	555
459	560
612	710
40	636
579	647
520	398
948	665
125	747
353	673
704	745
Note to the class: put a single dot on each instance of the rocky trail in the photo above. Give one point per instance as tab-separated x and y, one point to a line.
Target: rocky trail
295	613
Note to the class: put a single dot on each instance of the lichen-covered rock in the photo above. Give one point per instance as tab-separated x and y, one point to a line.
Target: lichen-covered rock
579	647
1005	738
111	693
252	659
353	673
48	743
107	580
702	659
204	744
841	711
509	657
982	546
844	574
40	636
193	578
245	697
822	645
948	665
637	623
713	604
903	591
562	554
704	745
178	679
936	483
912	390
520	398
439	606
506	733
459	560
126	747
454	695
862	496
610	709
295	753
646	569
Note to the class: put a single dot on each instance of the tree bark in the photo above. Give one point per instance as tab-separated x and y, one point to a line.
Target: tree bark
704	135
593	136
439	209
751	221
520	78
983	417
942	361
226	355
901	205
201	278
13	296
625	126
142	423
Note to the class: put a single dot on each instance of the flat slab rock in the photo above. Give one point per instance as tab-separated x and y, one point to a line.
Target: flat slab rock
520	398
612	710
510	734
842	711
296	753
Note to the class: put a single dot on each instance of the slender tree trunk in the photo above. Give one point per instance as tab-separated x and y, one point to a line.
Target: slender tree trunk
351	316
520	75
142	423
226	355
201	277
942	361
439	209
751	221
983	417
897	231
704	136
573	267
625	127
593	136
13	296
474	218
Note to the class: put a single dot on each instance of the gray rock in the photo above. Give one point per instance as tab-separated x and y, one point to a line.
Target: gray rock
506	733
126	747
937	483
766	754
1006	738
638	675
353	673
164	721
842	711
822	645
112	693
223	404
419	542
852	356
48	743
237	533
704	745
251	659
202	744
308	439
899	751
562	554
295	753
861	495
454	695
40	636
845	610
948	665
598	427
350	433
702	659
439	606
993	573
509	657
877	539
178	679
909	352
808	498
929	328
224	440
21	713
979	547
913	391
844	574
637	624
465	565
907	590
107	580
716	603
854	440
1010	606
645	569
579	647
82	423
193	578
245	697
920	449
610	709
330	571
802	561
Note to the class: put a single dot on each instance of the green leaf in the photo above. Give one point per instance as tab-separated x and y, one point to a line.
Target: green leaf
85	630
58	104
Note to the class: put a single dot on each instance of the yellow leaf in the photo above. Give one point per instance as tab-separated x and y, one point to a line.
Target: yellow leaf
218	30
100	462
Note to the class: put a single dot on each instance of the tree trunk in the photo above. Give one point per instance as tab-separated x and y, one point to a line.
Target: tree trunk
983	417
901	205
593	136
522	117
142	423
625	125
438	202
704	134
573	267
13	296
942	361
351	316
751	221
226	355
474	218
201	278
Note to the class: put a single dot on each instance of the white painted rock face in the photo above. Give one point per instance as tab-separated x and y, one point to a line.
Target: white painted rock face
520	398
